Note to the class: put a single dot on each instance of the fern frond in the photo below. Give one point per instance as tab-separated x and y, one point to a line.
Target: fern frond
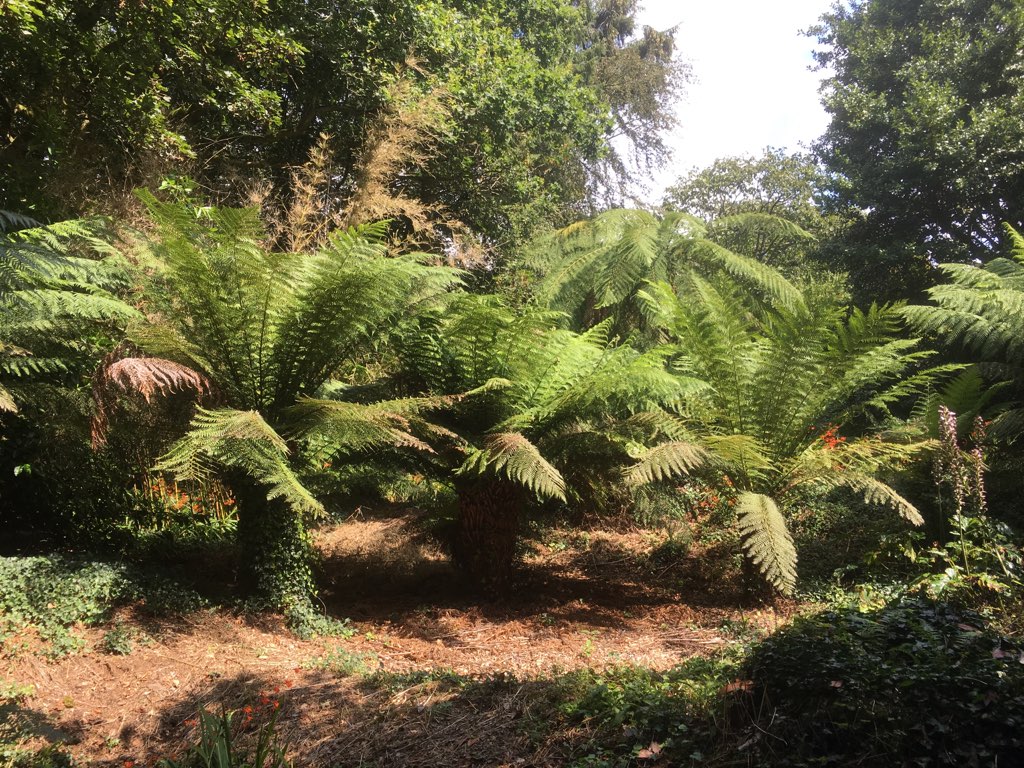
514	456
742	452
226	438
344	428
664	461
7	403
759	276
767	540
151	375
147	376
876	492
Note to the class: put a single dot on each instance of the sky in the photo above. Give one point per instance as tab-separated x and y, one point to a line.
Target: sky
752	87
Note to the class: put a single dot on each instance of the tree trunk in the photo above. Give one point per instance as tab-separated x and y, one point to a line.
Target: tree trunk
275	554
486	533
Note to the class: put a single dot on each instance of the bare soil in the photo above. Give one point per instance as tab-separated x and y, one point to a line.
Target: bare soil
384	696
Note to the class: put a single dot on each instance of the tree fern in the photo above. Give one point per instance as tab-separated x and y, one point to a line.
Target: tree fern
665	460
262	334
981	310
781	384
547	410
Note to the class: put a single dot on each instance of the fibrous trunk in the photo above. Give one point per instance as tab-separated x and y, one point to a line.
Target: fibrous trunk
274	549
486	532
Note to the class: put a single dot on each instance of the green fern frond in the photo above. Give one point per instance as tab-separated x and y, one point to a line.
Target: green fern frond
666	460
753	273
744	452
227	438
767	540
875	492
340	427
514	456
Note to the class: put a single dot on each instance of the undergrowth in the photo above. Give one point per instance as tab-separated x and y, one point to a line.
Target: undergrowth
53	595
914	683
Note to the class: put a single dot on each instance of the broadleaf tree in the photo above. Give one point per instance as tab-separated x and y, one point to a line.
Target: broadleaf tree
925	137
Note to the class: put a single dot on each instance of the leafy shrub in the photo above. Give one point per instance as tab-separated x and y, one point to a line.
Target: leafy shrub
307	622
837	532
120	639
915	683
639	713
52	595
343	663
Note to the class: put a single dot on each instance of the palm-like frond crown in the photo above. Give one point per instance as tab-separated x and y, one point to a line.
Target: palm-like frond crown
260	333
539	399
981	309
269	327
782	383
601	264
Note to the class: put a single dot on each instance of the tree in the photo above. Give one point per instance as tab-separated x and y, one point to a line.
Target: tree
790	187
786	185
544	414
256	335
782	384
925	136
99	97
638	78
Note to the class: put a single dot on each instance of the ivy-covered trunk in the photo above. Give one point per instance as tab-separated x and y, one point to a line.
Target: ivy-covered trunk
275	553
486	532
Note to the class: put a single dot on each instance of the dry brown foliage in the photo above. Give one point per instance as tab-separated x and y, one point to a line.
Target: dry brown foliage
146	376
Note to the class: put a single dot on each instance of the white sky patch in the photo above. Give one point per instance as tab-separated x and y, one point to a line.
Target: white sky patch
752	84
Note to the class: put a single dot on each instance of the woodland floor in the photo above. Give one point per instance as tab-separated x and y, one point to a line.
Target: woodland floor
380	697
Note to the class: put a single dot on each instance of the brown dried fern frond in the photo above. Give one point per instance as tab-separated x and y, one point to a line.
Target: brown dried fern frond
146	376
311	216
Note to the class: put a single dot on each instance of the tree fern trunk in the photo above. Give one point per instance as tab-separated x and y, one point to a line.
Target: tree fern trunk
275	554
486	533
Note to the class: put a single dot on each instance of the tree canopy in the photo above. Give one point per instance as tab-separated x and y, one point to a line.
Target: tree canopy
98	97
925	135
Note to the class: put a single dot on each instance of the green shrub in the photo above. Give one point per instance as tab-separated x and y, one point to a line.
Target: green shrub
343	663
914	683
53	594
634	712
306	621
